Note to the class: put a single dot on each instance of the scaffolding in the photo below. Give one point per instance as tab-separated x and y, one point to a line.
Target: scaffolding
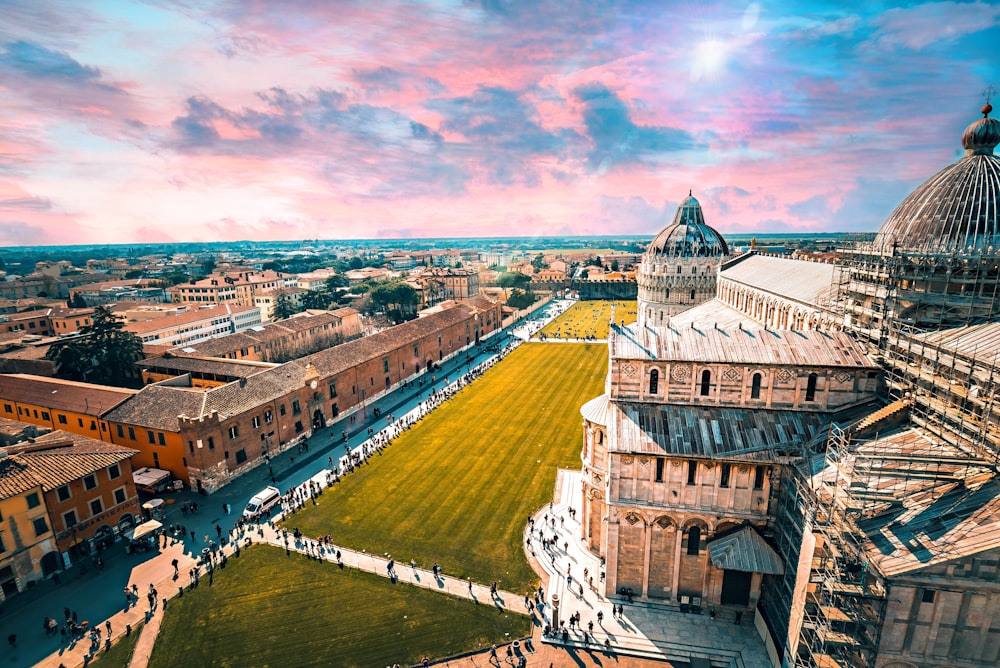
845	600
924	288
952	389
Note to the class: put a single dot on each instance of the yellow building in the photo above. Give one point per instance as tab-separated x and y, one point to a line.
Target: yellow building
27	545
59	404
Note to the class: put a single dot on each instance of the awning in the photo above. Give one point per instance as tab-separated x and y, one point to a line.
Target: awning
144	529
747	551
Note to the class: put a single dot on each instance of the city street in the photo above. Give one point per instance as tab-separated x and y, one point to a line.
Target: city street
96	596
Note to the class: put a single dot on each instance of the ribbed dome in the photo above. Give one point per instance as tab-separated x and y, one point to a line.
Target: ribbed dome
688	235
957	208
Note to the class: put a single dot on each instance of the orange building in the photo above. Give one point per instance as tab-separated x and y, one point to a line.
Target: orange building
208	436
59	404
88	489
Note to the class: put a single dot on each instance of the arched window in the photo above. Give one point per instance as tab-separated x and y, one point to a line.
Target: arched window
667	295
692	294
694	540
654	381
600	437
755	386
811	387
706	382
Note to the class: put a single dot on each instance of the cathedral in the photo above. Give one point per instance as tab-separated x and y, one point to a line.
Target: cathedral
812	447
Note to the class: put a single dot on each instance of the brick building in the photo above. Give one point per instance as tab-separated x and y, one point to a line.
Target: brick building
207	436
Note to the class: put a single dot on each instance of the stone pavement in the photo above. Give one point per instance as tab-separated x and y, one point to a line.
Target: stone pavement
157	571
404	572
645	630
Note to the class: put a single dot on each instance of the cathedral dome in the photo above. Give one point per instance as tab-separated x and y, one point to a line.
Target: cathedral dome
957	208
688	235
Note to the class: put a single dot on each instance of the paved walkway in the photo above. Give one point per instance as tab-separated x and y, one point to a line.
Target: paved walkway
651	631
136	613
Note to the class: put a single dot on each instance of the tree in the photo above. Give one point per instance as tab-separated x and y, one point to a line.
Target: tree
538	262
334	282
520	299
283	307
316	299
395	293
174	278
208	266
614	265
512	279
356	263
78	301
104	353
134	273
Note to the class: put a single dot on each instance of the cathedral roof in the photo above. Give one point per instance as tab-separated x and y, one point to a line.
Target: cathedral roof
714	312
957	208
746	551
688	235
923	501
799	280
706	343
708	432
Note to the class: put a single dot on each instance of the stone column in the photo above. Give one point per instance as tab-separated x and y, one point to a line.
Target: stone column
755	581
555	612
646	538
677	562
611	550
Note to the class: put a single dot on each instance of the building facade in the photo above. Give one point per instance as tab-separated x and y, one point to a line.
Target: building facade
816	445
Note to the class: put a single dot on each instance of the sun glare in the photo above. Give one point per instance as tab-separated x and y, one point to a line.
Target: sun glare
709	59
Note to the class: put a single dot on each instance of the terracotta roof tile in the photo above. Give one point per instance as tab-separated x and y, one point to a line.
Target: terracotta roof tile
157	407
65	395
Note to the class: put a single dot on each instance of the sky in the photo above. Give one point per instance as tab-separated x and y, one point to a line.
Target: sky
217	120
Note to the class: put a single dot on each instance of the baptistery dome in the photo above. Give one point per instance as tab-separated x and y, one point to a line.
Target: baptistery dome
688	235
679	268
956	209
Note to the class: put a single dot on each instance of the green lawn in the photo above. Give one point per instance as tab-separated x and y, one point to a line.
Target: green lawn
268	609
458	487
589	318
120	654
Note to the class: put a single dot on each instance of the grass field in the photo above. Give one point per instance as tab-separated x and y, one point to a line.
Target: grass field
589	318
268	609
457	488
120	654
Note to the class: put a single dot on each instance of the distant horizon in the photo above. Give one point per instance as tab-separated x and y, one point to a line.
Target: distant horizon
416	241
145	123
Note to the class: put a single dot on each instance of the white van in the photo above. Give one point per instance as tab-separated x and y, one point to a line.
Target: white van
261	501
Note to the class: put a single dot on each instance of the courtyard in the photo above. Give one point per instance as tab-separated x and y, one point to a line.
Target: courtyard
457	488
589	319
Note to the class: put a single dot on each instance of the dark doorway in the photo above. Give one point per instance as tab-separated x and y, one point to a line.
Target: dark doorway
736	588
319	420
7	581
50	563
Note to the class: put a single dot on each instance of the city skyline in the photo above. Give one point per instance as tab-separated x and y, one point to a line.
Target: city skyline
126	122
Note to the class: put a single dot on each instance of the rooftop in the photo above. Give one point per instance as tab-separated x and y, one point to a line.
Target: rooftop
707	343
53	460
63	395
693	432
918	499
806	282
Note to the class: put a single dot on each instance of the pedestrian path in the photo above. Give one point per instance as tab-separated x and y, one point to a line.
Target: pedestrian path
136	614
646	630
403	572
